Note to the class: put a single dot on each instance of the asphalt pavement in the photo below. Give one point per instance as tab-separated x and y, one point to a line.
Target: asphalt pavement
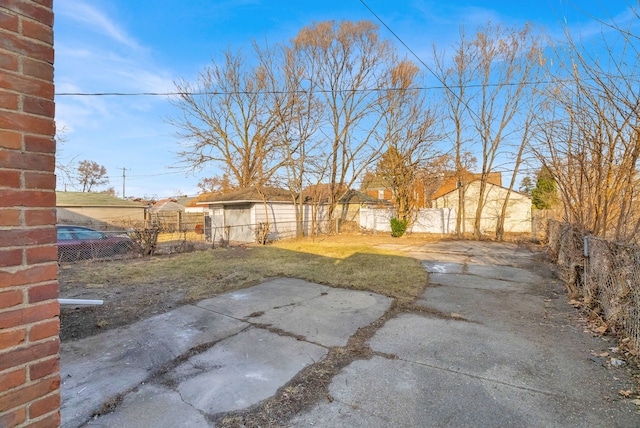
492	342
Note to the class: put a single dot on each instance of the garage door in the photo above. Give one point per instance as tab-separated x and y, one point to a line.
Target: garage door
238	217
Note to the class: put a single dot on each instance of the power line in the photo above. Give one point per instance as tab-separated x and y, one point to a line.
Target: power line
316	91
444	84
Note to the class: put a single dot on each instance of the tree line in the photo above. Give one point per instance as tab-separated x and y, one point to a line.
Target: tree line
319	113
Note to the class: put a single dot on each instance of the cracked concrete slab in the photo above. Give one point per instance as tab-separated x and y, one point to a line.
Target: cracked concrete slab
472	281
321	314
505	273
259	339
330	317
98	368
272	294
147	407
382	393
243	370
481	352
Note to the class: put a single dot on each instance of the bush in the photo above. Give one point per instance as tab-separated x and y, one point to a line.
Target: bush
398	227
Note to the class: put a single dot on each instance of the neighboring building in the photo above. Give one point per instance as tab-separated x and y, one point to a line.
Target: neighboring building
518	215
239	214
98	210
424	193
236	216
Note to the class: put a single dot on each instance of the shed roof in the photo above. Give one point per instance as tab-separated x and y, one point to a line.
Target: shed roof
89	199
272	194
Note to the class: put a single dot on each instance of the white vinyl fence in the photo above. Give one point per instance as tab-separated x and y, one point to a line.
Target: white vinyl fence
429	220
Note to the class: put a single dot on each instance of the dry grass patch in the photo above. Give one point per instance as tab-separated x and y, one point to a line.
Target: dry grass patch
134	289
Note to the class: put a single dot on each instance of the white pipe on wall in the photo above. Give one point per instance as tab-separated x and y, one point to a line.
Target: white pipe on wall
80	302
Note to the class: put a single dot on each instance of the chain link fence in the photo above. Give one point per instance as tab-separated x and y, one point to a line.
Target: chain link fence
168	235
606	275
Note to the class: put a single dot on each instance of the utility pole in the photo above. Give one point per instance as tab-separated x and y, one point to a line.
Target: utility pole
124	178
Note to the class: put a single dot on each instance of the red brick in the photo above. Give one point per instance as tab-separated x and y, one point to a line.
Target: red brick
37	180
37	255
9	178
52	420
43	330
14	418
33	352
44	292
35	30
10	140
30	161
8	61
44	406
27	123
27	85
8	100
18	397
12	257
27	198
10	298
10	217
8	22
23	237
27	47
39	144
11	338
43	217
47	3
44	368
39	106
38	13
12	379
39	69
30	275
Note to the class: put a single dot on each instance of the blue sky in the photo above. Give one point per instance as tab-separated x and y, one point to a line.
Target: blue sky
125	46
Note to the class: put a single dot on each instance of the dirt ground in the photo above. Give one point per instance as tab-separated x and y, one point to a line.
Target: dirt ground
125	304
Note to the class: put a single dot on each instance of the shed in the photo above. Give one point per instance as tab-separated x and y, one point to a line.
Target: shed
98	210
237	216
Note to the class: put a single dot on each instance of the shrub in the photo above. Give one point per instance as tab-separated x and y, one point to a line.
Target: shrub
398	227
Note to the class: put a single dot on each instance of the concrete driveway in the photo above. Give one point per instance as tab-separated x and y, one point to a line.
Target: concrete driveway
492	342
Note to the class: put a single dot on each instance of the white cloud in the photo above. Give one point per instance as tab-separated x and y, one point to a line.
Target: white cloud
95	20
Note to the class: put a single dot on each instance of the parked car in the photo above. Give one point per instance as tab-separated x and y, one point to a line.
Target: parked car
76	243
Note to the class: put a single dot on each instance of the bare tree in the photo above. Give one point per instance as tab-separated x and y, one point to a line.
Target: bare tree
221	184
349	63
491	85
226	120
457	78
300	114
90	174
408	130
64	169
590	140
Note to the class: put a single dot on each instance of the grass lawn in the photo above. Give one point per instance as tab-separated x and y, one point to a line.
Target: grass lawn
137	288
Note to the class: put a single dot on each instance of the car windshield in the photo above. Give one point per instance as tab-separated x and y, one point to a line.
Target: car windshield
88	234
64	235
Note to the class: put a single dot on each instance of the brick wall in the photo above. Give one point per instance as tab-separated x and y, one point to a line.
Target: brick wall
29	311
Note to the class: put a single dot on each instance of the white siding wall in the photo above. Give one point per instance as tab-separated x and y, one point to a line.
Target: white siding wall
429	220
518	215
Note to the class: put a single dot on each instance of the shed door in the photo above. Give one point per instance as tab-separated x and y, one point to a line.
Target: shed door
238	218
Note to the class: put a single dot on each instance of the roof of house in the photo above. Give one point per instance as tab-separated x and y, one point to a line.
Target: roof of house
166	205
355	197
89	199
450	183
272	194
490	183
